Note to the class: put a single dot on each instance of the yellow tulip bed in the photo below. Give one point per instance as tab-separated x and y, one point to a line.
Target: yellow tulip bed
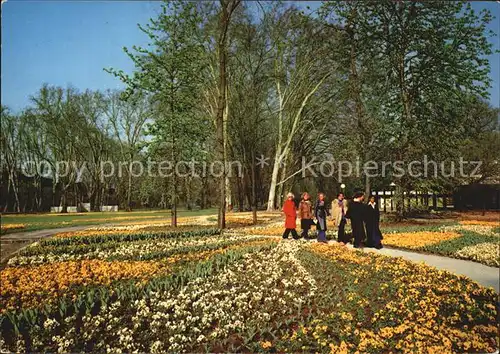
415	240
196	290
477	242
481	223
28	286
389	304
4	228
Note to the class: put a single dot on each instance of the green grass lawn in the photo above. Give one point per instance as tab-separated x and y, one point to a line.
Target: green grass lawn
49	221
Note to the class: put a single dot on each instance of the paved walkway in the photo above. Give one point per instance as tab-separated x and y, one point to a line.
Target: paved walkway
480	273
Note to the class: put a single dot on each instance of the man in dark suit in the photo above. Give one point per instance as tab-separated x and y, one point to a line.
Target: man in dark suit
357	214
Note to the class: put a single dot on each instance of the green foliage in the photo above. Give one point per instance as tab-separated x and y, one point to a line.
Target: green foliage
378	80
171	73
417	66
98	239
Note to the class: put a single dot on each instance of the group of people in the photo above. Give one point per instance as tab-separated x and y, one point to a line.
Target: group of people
364	218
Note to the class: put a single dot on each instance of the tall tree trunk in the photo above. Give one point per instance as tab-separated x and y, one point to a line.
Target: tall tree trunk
15	188
229	196
227	8
221	105
64	200
254	194
103	196
248	189
7	199
367	186
129	188
40	193
271	201
241	194
281	187
188	194
173	187
204	187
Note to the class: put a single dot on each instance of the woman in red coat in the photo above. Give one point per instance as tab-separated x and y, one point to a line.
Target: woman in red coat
290	217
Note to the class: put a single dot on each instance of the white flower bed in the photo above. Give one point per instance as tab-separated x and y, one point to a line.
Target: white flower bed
488	253
135	249
262	287
479	229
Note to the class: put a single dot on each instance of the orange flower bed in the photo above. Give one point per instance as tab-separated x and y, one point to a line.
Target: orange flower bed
484	216
266	231
31	286
418	239
480	222
130	217
28	284
8	227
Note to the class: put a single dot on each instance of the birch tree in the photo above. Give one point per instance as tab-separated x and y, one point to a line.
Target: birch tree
298	75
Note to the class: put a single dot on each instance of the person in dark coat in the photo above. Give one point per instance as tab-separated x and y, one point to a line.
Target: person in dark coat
305	214
321	212
373	234
290	216
357	214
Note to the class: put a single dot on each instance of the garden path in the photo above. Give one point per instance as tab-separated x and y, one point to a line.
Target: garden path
13	243
480	273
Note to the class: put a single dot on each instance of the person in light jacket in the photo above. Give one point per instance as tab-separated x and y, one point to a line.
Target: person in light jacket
339	210
305	214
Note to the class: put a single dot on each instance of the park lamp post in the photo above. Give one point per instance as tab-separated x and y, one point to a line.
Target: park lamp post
393	185
342	187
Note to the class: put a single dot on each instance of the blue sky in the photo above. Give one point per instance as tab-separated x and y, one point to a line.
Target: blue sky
70	42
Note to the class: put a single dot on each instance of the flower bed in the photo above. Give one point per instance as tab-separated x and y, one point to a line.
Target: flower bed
480	222
119	230
387	304
447	238
4	228
475	242
198	291
487	253
276	228
415	240
29	286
